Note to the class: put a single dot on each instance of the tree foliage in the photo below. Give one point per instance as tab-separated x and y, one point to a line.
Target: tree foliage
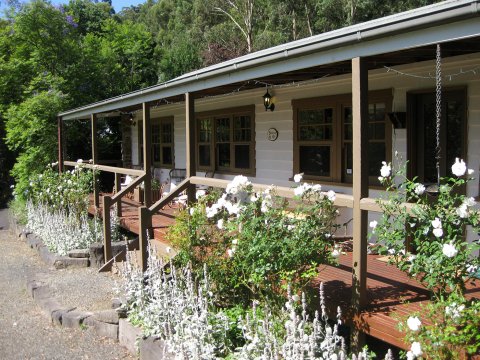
58	57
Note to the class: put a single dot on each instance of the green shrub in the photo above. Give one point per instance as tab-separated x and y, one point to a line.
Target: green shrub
254	243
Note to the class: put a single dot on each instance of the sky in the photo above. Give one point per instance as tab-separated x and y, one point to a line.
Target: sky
118	5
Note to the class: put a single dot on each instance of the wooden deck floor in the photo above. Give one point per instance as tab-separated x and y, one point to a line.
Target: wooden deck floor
392	295
129	220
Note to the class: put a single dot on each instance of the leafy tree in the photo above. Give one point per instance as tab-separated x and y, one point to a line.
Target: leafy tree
31	132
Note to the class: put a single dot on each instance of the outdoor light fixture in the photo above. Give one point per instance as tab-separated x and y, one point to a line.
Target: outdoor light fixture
131	119
267	102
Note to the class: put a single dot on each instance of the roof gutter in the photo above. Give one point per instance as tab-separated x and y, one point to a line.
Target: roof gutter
433	15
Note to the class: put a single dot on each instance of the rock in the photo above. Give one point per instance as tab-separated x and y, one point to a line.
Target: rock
73	319
34	241
96	255
116	303
46	256
79	253
57	316
63	262
128	335
32	285
154	349
49	306
106	329
107	316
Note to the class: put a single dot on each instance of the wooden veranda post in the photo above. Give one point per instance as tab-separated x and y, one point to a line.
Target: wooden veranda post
147	156
60	144
144	216
107	230
190	137
93	121
118	188
360	190
145	219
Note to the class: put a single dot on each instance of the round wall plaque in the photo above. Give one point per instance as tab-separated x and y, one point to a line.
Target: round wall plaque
272	134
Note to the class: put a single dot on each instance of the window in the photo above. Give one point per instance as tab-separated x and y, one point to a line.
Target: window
226	140
422	132
323	136
162	142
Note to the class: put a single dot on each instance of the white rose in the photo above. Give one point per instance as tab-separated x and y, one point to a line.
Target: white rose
459	167
336	253
298	177
331	195
416	349
419	189
449	250
385	169
438	232
414	323
437	224
462	211
373	224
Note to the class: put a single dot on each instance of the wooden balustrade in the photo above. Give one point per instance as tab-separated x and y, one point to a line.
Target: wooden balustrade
109	201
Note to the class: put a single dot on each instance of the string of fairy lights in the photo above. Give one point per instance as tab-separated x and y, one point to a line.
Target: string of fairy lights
429	76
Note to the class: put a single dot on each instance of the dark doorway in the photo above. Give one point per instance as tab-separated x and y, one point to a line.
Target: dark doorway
422	133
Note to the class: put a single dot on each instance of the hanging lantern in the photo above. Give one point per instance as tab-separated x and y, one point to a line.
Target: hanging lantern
267	102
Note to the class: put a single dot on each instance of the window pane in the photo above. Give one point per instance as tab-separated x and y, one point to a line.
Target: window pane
205	130
204	155
315	124
347	121
155	133
156	152
315	160
167	131
223	155
242	156
454	111
429	170
167	155
223	129
242	135
348	159
376	154
379	112
242	130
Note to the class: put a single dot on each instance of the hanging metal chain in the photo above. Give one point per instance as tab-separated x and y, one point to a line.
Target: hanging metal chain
438	98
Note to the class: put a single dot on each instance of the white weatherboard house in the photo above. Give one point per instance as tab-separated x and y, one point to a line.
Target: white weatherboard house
368	84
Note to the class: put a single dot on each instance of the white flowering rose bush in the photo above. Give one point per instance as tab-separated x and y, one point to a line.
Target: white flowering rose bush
449	329
67	191
255	242
439	255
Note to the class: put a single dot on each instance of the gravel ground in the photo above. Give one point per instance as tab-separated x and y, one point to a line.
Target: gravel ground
25	333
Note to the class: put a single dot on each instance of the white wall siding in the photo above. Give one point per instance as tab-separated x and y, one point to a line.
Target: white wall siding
274	159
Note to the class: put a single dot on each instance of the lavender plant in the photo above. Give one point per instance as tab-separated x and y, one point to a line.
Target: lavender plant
169	303
61	230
